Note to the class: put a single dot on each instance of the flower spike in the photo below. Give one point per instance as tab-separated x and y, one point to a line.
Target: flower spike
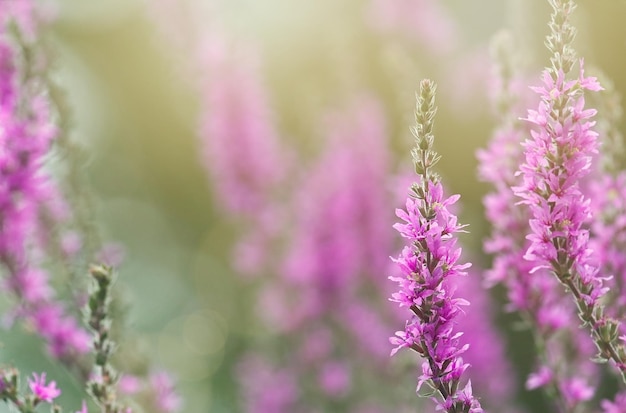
427	263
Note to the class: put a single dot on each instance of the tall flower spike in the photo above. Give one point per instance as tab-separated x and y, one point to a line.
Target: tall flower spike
323	300
557	156
427	263
26	136
547	311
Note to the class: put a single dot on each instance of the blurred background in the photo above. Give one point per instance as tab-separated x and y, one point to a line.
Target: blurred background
132	72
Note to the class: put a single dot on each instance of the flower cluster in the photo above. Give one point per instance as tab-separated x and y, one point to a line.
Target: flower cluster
313	294
427	264
40	391
557	157
34	217
322	298
26	136
316	229
563	352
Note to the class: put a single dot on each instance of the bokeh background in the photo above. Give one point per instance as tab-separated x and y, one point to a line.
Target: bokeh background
131	82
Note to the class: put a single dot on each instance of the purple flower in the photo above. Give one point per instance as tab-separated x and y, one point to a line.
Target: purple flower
267	389
41	390
618	405
543	306
65	338
557	157
26	135
241	145
129	384
428	265
167	399
335	378
576	390
324	298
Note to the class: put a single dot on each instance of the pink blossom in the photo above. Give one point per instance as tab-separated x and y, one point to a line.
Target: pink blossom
241	145
576	390
26	135
429	262
167	399
531	291
557	156
618	405
321	299
63	334
32	284
129	384
41	390
267	389
334	378
539	378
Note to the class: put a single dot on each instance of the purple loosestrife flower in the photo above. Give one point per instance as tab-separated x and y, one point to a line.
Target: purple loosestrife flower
557	156
32	208
241	146
167	400
616	406
267	389
539	300
26	133
427	264
41	390
324	299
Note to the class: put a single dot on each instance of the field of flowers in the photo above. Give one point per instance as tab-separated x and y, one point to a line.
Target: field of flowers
273	206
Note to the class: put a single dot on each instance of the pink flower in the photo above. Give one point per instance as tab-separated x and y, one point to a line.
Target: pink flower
129	384
429	263
334	378
576	390
539	379
557	156
32	283
618	405
241	146
167	400
330	270
27	131
267	388
42	391
62	333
